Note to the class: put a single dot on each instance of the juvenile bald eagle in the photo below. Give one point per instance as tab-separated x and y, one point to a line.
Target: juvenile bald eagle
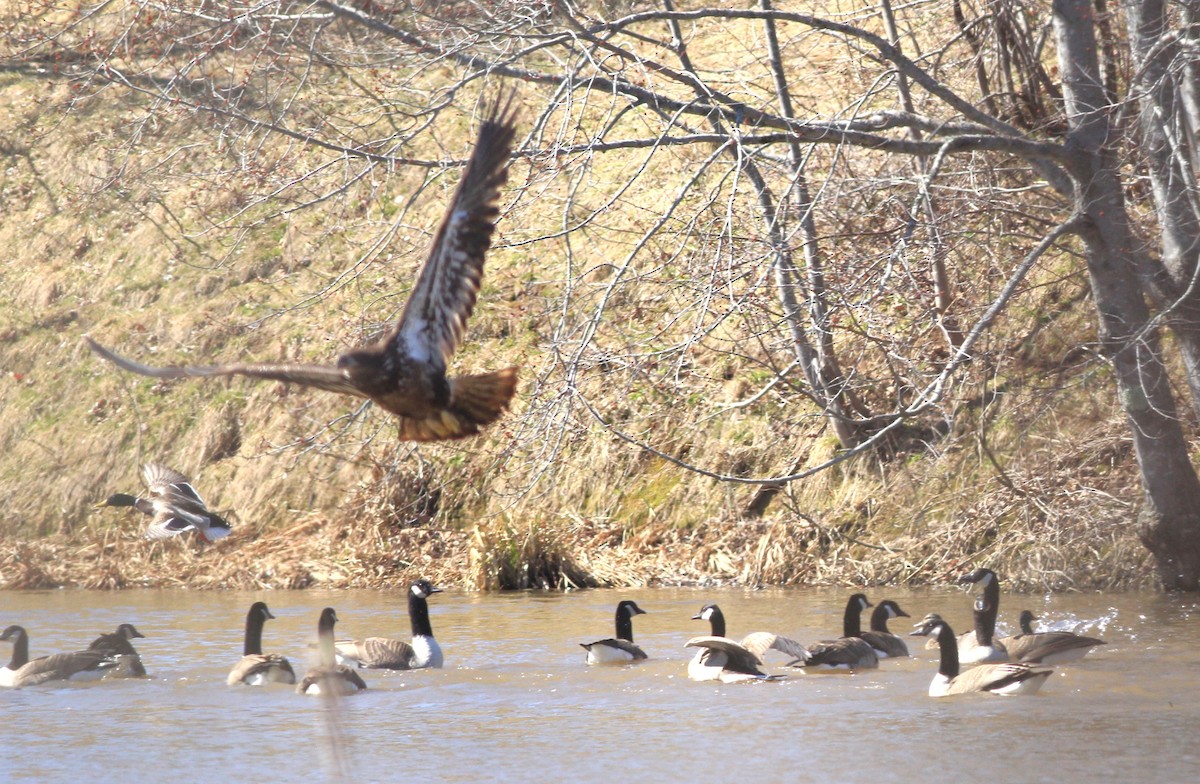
405	371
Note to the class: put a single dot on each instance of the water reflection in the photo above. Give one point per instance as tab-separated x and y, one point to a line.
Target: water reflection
516	699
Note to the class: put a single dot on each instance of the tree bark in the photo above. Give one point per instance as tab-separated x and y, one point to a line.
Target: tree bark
1169	522
1165	131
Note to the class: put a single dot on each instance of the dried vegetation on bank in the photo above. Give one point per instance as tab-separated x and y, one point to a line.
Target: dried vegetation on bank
1029	470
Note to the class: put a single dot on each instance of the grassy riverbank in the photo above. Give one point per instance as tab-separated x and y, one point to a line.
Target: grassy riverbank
169	244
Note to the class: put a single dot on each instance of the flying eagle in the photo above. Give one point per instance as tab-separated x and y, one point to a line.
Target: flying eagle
405	371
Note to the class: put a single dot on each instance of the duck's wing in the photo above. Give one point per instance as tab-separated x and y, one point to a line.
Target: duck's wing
433	322
166	525
158	477
324	377
759	643
171	486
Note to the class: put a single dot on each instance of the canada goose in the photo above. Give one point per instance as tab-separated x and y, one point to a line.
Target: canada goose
1057	647
848	652
20	671
728	661
256	668
405	372
619	649
382	653
886	644
1005	678
328	677
117	646
173	506
983	646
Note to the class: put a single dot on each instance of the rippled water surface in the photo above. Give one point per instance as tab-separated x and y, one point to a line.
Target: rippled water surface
517	703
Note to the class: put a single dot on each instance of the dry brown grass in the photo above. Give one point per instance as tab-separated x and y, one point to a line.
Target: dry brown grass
1057	523
321	498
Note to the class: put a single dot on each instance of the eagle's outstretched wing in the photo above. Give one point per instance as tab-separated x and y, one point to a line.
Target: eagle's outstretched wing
435	317
321	376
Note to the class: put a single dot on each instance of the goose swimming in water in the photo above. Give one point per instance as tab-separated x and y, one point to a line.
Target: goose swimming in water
619	649
382	653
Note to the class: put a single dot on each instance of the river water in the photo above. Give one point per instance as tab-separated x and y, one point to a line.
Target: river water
516	702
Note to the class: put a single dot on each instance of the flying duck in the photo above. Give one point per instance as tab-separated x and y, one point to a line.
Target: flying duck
382	653
404	373
886	644
848	652
729	661
256	668
173	506
117	646
328	677
21	671
1057	647
1002	678
619	649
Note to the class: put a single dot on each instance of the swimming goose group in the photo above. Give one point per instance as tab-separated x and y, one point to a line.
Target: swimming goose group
981	645
719	658
1011	665
110	655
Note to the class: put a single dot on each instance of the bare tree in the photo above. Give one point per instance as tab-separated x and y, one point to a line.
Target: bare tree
822	220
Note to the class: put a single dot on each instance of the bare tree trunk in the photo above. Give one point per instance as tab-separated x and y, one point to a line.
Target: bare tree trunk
1170	518
1165	128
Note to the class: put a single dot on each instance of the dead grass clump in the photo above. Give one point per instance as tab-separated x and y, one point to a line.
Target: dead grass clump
1055	518
311	553
504	555
395	498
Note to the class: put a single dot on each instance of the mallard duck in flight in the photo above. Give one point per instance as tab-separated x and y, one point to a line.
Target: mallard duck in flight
405	371
173	506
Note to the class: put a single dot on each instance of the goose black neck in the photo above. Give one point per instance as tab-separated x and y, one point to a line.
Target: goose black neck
20	654
624	625
948	646
717	621
986	609
879	619
418	614
325	647
254	626
851	619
